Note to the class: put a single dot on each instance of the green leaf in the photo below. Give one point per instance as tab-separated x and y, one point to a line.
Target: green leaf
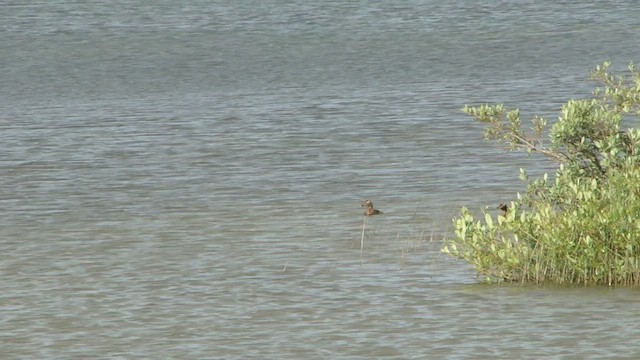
488	220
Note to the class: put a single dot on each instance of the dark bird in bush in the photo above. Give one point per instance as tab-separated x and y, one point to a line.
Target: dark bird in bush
503	208
369	210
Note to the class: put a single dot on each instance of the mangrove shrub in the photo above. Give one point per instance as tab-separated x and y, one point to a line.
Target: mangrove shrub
582	225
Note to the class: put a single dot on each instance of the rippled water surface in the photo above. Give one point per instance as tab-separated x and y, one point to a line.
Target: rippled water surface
184	180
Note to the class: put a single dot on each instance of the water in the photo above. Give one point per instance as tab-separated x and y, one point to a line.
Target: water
184	181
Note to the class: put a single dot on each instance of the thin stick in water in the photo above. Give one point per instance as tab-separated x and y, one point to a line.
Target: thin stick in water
364	226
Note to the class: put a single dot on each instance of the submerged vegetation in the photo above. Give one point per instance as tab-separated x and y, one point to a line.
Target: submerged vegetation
581	226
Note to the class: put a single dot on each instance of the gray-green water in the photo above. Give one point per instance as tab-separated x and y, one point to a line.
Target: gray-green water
184	180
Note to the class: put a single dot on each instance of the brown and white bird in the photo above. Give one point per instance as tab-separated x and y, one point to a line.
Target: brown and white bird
369	210
504	208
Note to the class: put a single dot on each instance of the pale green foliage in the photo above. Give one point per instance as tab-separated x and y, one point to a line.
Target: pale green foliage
584	225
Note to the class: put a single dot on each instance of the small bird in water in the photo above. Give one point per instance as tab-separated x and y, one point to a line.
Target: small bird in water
504	208
368	204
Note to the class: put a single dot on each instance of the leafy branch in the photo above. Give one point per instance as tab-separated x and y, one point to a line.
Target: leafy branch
505	127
